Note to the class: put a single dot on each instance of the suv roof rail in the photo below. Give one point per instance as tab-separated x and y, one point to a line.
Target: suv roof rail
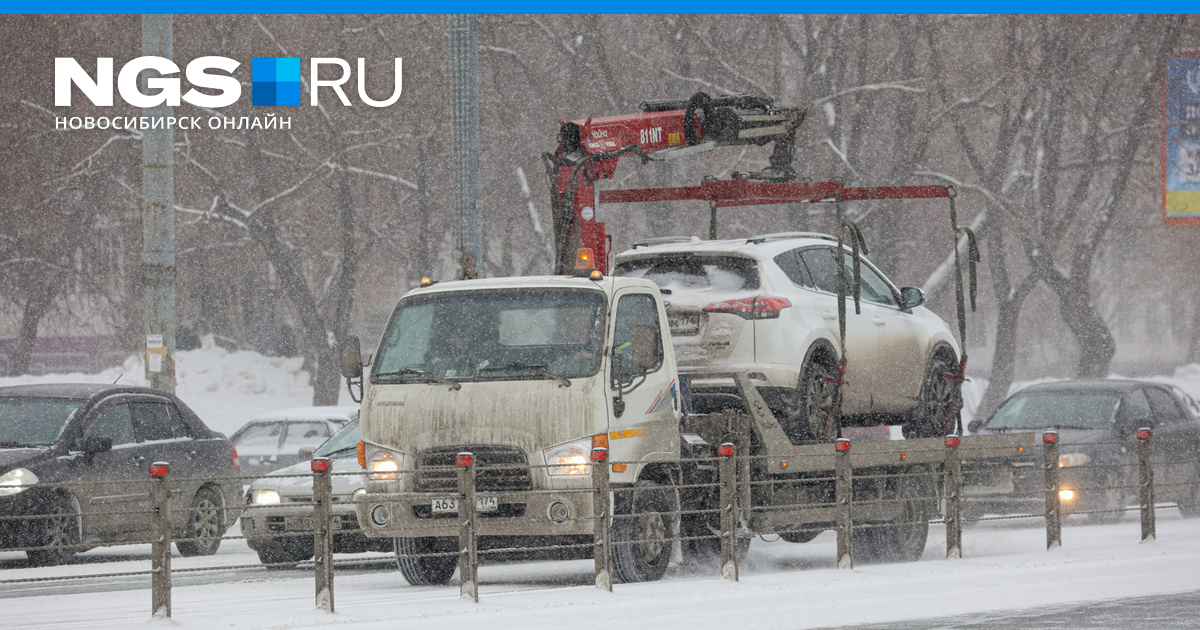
665	240
778	236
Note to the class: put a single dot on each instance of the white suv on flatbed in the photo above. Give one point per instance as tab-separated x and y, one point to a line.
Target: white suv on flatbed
767	306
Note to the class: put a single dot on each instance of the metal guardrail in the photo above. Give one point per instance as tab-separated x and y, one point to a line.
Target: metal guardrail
849	512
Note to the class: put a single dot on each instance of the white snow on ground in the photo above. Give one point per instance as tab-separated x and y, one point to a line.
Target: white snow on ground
783	585
225	388
1006	565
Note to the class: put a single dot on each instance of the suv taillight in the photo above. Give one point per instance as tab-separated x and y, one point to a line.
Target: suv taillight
237	461
763	307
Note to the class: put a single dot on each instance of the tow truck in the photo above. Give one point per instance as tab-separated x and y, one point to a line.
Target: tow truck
531	374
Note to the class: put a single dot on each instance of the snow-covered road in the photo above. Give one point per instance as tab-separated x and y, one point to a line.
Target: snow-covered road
783	585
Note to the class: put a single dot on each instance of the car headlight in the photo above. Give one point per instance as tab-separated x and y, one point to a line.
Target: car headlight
1066	460
264	497
16	481
572	458
383	463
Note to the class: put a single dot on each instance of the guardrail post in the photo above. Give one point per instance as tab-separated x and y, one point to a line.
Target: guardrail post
954	483
1053	513
1146	482
601	519
468	555
727	477
322	536
160	545
843	491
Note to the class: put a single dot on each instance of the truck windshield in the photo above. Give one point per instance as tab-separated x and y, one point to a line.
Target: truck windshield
34	421
493	335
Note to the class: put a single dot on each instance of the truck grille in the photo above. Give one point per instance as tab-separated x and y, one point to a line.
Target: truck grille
498	469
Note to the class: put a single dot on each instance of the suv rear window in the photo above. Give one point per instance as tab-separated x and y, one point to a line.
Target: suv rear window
689	272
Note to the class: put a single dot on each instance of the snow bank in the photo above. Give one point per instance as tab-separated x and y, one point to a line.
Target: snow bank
225	388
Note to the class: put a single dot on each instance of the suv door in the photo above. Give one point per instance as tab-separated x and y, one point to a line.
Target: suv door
821	267
899	355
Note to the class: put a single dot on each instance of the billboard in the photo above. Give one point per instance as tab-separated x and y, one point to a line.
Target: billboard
1181	140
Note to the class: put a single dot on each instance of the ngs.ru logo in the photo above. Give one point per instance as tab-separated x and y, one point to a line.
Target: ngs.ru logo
274	81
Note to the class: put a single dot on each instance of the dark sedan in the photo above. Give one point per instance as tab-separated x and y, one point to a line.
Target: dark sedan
80	453
1096	421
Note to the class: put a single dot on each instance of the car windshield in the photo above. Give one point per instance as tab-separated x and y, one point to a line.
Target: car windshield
493	335
1068	410
344	443
687	272
34	421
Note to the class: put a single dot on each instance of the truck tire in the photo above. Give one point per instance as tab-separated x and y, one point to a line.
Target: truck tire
434	571
800	537
284	551
903	541
818	389
935	415
206	520
58	531
642	537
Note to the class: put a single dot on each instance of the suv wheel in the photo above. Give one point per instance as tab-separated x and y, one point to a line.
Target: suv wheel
936	414
818	393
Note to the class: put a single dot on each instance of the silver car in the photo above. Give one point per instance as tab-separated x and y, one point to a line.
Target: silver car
274	440
277	521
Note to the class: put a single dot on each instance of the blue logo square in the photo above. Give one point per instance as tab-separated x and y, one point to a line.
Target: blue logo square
275	80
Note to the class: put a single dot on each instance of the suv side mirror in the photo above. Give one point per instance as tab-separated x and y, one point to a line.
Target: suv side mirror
642	352
911	297
351	358
97	444
306	453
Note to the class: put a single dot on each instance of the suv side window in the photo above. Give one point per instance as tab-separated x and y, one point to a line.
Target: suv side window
1137	408
635	310
873	287
822	268
152	421
789	262
113	421
1165	409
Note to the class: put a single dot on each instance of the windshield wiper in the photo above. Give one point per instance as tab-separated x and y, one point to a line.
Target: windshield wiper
344	449
540	369
430	377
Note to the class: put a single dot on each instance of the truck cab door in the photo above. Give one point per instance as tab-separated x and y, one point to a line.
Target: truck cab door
644	399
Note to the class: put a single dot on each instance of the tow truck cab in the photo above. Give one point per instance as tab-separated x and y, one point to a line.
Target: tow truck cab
528	374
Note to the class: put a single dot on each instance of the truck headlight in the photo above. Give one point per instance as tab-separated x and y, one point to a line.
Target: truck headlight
16	481
1066	460
572	458
264	497
383	463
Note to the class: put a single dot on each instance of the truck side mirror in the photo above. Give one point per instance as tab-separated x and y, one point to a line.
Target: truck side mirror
352	358
911	297
643	350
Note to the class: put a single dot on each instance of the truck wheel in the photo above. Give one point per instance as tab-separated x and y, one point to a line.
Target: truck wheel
434	571
642	538
818	389
59	530
205	520
284	551
935	415
800	537
904	540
